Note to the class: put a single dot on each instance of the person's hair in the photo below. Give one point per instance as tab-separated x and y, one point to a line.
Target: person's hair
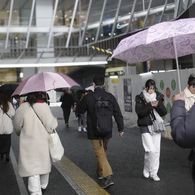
191	80
149	83
32	98
98	80
4	102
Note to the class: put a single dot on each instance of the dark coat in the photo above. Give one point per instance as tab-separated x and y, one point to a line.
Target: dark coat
67	101
183	124
144	109
88	104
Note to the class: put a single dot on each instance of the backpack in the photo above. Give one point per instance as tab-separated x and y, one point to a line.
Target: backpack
103	116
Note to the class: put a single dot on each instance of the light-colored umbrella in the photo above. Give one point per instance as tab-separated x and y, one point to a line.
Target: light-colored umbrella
43	82
166	40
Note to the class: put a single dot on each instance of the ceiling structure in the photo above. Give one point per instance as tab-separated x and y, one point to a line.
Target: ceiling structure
77	32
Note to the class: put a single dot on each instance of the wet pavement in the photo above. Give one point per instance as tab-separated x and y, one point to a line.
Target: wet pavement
76	173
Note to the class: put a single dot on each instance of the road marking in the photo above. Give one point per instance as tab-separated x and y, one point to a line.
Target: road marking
82	180
20	181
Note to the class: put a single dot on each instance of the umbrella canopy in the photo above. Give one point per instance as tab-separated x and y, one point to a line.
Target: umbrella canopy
166	40
44	81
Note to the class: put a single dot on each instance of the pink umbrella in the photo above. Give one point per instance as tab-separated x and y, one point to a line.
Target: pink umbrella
44	81
166	40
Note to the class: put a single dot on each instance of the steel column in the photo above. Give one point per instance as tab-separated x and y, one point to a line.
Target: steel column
9	23
52	23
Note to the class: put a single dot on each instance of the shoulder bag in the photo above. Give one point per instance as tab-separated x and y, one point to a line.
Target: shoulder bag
55	146
158	126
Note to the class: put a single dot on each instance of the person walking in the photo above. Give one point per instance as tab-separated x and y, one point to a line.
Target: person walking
189	98
182	126
67	102
82	118
33	123
7	111
103	170
150	102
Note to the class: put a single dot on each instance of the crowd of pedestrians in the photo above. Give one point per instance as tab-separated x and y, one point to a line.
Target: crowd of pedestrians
33	121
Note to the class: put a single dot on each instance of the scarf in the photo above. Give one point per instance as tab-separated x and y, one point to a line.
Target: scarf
149	98
189	99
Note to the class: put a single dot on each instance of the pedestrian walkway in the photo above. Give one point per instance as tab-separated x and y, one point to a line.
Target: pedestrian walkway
76	173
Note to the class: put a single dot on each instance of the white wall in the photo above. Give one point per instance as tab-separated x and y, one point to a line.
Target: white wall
165	82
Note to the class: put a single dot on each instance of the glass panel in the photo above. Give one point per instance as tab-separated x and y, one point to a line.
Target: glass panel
123	18
64	13
2	41
168	15
16	44
74	39
21	12
191	2
94	17
182	6
138	19
4	12
32	46
9	75
157	3
110	12
155	7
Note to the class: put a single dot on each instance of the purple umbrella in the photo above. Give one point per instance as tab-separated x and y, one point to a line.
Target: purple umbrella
166	40
43	82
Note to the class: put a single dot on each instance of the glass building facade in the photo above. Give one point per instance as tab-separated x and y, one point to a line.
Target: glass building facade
61	31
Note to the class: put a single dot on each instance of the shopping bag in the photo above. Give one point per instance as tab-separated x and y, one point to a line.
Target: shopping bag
55	147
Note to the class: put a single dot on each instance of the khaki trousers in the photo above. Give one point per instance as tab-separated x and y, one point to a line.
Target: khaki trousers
103	167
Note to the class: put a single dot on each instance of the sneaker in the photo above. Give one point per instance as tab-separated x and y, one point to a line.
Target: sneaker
155	178
79	129
146	173
99	176
107	182
84	130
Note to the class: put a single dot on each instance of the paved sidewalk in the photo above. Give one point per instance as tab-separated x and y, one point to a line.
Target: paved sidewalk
125	156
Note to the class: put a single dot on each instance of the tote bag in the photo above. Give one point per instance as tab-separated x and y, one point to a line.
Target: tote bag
55	147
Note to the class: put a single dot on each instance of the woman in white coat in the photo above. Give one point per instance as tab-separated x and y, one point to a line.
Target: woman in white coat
6	127
33	123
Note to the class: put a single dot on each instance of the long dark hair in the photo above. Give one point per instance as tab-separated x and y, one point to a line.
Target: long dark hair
32	98
4	102
149	83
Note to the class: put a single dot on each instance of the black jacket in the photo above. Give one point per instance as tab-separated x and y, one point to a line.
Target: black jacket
144	109
67	101
183	124
88	104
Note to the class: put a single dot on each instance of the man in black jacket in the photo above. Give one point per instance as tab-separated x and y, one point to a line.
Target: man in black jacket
104	170
67	102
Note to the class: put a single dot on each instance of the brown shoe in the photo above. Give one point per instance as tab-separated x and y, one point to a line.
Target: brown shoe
67	125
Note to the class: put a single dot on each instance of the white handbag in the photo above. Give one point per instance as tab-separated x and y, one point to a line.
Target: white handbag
55	147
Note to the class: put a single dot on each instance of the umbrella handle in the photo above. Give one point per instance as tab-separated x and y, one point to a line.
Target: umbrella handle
178	74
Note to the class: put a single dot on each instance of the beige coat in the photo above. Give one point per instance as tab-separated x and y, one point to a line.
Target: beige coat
34	157
6	126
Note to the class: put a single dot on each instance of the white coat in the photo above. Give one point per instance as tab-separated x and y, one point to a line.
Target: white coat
6	126
34	157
